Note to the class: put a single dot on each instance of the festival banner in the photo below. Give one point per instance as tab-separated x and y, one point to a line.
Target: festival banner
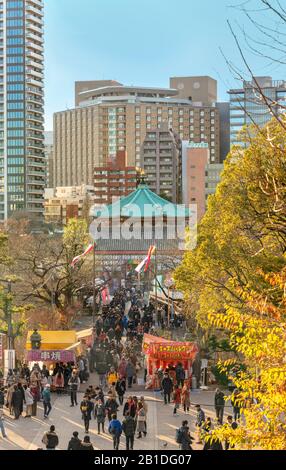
52	356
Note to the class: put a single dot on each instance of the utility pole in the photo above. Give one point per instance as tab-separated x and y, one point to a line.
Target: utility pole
9	316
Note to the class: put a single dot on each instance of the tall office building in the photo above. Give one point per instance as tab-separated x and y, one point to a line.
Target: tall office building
247	105
162	163
115	117
22	159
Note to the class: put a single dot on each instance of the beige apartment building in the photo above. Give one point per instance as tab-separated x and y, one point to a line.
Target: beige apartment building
64	203
110	117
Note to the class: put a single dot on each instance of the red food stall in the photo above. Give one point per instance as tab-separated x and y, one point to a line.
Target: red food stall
162	353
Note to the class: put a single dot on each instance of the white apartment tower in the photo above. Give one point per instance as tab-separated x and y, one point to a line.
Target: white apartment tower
22	158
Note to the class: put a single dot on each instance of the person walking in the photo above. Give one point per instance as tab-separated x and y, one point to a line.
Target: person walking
47	400
50	439
121	389
115	429
129	427
86	444
100	415
29	400
236	405
112	376
183	436
185	398
140	419
2	427
199	421
129	407
177	399
145	406
130	372
74	384
17	402
180	374
75	442
86	407
167	386
111	406
219	405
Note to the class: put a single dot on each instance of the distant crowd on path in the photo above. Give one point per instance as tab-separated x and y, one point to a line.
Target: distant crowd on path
117	357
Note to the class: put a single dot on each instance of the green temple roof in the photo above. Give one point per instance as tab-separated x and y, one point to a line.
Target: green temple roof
142	203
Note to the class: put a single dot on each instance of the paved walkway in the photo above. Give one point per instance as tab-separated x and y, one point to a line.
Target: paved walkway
26	434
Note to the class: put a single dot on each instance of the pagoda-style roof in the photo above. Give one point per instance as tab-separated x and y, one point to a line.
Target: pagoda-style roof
142	203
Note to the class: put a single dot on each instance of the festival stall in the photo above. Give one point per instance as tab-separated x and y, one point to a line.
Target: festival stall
54	346
162	354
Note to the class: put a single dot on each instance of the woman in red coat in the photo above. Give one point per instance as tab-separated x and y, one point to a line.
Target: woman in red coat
177	398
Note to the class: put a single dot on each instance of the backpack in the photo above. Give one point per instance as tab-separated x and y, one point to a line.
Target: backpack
52	440
179	436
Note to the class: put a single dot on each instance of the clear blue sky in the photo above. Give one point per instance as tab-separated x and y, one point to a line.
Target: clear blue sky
139	42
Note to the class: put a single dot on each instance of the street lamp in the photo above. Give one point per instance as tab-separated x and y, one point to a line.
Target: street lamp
36	339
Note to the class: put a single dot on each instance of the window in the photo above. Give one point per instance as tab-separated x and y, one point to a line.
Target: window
16	133
15	78
181	112
15	41
13	23
15	50
15	143
15	60
15	32
15	68
15	115
15	105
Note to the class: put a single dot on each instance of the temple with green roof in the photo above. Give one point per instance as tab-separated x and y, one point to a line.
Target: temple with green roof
152	221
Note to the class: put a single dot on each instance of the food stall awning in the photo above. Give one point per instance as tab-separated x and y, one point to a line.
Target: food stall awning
54	340
73	346
84	333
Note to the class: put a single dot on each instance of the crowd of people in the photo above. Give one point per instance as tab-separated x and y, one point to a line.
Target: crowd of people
116	356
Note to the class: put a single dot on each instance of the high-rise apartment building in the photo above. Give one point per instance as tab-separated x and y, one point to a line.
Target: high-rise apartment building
161	162
247	105
114	180
115	118
22	159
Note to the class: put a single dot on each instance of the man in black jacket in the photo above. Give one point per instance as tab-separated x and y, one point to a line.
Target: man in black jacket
129	427
219	405
167	386
50	439
75	442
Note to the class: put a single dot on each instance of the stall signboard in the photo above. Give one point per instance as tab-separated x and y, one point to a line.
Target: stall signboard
163	349
173	351
52	356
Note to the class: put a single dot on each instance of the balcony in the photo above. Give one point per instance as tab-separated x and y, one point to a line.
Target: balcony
37	83
31	117
38	3
37	47
33	135
33	63
34	55
36	19
37	11
34	73
35	182
35	28
35	191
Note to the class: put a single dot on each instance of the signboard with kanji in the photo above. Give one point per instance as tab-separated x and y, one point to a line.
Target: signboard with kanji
50	356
